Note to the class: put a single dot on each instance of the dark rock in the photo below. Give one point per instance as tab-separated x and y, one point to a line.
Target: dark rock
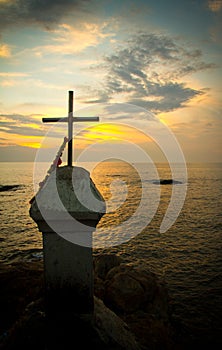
124	293
105	262
112	329
4	188
140	322
153	334
26	326
21	283
166	182
99	287
129	288
140	298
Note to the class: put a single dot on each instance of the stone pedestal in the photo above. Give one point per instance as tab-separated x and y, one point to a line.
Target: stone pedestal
67	209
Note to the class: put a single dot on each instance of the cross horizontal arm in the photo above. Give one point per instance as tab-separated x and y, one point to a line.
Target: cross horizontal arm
74	119
54	120
85	119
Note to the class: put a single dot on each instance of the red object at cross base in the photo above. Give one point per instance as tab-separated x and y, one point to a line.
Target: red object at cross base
59	162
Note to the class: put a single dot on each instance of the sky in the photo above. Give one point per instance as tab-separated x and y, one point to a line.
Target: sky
125	60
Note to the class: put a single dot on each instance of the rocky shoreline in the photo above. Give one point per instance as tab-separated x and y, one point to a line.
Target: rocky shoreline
138	296
132	308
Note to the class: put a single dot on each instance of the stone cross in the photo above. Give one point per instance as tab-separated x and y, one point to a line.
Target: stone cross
67	227
70	121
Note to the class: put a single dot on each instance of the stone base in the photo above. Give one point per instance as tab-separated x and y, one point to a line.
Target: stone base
68	270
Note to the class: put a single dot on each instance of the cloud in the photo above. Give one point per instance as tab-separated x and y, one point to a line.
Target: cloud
199	128
28	125
5	142
215	6
47	13
21	125
6	78
149	71
5	51
69	40
13	74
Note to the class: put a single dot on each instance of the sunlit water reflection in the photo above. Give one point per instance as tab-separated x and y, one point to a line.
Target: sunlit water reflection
188	255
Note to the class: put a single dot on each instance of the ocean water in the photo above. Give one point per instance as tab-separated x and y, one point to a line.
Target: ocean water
188	255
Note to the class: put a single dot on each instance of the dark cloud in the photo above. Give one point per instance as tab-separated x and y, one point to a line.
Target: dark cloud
148	69
19	118
43	12
171	96
20	124
26	125
22	130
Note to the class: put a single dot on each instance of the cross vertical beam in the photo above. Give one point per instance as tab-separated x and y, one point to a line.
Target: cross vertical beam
70	120
70	128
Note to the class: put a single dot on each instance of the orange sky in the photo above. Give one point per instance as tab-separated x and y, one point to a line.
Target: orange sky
155	61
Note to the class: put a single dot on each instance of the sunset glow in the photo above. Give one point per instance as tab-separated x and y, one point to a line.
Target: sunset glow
157	61
113	132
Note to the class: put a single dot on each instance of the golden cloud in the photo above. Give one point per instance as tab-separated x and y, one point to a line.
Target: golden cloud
5	51
69	40
215	5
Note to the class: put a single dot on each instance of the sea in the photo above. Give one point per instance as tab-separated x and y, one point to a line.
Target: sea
188	255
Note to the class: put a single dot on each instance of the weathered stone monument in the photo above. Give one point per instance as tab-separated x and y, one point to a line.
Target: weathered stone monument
67	208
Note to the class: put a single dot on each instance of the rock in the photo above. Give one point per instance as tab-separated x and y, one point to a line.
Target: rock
167	182
153	334
4	188
128	289
105	262
148	325
32	331
99	287
124	293
112	329
20	284
140	298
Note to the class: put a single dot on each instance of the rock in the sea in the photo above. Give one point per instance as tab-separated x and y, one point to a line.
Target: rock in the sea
4	188
167	182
